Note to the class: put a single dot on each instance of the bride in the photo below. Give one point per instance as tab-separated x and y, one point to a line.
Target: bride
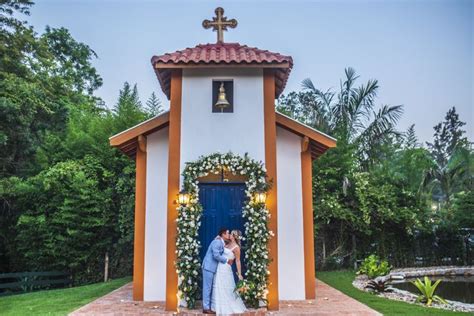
224	300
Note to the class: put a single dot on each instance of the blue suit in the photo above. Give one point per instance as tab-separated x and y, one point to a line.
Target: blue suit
214	255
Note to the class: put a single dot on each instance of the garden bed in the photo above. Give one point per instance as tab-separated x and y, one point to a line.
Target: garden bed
360	282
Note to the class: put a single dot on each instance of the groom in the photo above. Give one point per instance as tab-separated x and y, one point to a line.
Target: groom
214	255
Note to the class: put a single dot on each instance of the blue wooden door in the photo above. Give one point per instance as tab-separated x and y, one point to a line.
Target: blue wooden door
222	207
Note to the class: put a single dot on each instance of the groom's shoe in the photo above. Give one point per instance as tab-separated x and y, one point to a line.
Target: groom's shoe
208	311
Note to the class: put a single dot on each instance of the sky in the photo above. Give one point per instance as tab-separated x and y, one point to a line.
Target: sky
421	52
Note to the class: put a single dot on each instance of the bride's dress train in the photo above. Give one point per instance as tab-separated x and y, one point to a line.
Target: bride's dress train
224	300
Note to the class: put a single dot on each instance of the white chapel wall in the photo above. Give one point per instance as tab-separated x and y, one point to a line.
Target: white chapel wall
291	279
204	132
155	221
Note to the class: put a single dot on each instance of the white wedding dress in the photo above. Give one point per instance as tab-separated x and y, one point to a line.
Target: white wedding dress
224	300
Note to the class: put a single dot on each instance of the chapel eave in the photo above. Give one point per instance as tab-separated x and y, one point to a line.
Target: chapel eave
319	141
127	141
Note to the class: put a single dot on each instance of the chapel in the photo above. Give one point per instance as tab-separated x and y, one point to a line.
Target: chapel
222	100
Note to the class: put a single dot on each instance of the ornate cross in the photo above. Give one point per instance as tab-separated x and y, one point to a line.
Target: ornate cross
219	23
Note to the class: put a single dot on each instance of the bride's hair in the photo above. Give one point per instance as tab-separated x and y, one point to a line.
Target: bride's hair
237	235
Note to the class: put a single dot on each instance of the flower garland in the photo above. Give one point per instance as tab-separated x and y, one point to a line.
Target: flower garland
256	234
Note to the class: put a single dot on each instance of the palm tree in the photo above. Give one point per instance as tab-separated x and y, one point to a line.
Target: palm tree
351	115
451	177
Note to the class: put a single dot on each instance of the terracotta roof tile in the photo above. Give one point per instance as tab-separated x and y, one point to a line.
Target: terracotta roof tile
222	54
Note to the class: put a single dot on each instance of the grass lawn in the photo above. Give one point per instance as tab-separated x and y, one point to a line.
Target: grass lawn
56	302
342	280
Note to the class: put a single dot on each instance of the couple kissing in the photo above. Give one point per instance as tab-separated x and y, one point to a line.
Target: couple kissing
218	289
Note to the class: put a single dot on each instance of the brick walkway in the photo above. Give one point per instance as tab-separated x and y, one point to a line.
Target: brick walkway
329	301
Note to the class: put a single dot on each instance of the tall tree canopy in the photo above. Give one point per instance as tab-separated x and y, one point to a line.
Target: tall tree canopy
42	77
67	196
368	191
350	114
452	170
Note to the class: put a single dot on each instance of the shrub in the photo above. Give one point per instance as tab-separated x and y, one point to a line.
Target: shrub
374	267
379	286
427	291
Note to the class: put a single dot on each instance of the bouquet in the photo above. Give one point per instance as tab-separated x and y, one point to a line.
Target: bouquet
242	287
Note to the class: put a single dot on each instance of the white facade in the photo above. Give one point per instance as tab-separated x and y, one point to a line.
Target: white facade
291	278
154	288
204	132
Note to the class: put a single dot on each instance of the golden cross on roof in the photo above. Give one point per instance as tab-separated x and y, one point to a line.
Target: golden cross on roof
219	23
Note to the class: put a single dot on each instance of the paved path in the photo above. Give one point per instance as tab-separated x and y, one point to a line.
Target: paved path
329	301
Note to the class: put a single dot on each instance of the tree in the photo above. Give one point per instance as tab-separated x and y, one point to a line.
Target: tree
407	166
305	107
8	8
365	189
66	196
445	181
452	157
362	132
448	137
410	139
41	78
349	115
463	215
154	106
128	110
66	225
73	61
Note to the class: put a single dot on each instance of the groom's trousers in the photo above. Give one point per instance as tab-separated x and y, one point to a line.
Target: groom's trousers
207	280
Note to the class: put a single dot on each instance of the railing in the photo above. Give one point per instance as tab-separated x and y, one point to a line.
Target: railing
22	282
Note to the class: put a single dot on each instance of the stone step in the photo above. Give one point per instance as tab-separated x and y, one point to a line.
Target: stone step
250	312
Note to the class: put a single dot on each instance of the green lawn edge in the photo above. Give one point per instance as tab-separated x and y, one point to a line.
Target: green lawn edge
64	301
342	281
57	302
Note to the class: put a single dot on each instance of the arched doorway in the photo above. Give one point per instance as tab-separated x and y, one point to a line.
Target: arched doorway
238	197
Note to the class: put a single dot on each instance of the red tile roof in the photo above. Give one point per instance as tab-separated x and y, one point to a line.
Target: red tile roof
222	54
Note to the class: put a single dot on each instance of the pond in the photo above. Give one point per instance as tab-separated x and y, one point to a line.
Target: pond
458	288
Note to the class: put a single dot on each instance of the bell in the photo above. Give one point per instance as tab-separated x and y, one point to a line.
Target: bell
222	102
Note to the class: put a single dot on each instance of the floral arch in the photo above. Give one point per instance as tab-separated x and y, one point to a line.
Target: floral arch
257	234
